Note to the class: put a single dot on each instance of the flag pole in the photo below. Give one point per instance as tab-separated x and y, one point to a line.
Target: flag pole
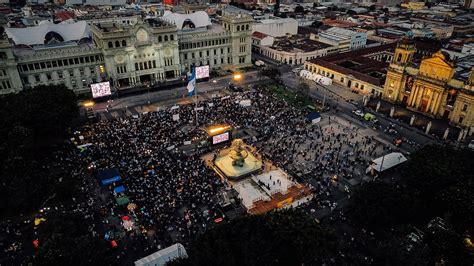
196	98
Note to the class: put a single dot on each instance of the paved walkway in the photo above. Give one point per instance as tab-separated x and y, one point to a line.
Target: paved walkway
403	115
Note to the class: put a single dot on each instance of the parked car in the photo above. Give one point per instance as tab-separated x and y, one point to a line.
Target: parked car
358	113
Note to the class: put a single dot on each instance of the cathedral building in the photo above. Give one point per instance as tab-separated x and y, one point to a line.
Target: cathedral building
436	86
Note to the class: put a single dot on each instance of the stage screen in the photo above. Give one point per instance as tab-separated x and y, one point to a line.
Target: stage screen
202	72
220	138
100	89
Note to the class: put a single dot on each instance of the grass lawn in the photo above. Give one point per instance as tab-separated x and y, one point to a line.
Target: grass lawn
289	96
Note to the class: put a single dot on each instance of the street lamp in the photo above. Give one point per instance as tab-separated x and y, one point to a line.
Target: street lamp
89	104
237	77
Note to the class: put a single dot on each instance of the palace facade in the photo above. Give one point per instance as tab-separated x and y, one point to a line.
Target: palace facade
130	53
436	87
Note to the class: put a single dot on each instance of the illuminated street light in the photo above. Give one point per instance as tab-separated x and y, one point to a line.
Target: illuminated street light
237	76
89	104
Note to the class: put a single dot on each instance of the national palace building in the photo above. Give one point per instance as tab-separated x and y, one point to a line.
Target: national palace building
128	52
436	86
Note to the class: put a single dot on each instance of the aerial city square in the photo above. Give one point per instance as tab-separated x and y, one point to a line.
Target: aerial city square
174	132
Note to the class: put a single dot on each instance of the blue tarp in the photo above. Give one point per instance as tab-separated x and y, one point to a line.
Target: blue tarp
119	189
313	117
108	176
108	181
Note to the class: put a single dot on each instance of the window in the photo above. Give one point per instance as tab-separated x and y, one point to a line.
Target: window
342	79
222	50
54	63
172	37
24	67
111	45
215	61
160	39
185	56
399	58
48	76
461	119
200	54
48	64
124	43
136	66
154	63
238	28
71	61
215	52
76	61
464	108
207	52
166	38
43	66
117	44
60	63
247	27
222	60
60	74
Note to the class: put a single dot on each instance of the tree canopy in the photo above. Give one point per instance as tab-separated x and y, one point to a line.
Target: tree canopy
437	181
287	237
30	122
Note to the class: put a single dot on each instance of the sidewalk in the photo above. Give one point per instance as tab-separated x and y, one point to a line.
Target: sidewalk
403	116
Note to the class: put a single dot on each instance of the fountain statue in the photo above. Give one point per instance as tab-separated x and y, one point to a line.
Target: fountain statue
237	162
238	153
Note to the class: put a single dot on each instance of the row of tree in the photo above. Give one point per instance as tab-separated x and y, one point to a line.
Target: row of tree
288	237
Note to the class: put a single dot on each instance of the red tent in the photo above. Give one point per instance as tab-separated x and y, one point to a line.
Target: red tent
114	243
125	218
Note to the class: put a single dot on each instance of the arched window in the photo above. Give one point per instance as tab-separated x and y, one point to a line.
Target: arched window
111	45
172	37
247	27
53	37
166	38
238	28
117	44
399	58
160	39
124	43
3	55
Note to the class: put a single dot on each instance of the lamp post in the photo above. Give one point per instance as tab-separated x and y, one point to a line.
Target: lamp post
214	84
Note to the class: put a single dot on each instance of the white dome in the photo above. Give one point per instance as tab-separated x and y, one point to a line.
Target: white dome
199	19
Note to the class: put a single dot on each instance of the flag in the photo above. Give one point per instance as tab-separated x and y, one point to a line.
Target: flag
192	83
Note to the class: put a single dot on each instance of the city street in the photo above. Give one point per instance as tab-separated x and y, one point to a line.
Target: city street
346	101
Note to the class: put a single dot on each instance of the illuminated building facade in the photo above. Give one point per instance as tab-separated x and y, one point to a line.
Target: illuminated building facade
435	87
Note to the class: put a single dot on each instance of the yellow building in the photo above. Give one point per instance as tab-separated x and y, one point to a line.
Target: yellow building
431	87
414	5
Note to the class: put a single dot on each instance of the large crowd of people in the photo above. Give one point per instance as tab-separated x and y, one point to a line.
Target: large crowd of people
166	179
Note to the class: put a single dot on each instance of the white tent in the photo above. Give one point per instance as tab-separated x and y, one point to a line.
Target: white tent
36	35
163	256
386	162
200	19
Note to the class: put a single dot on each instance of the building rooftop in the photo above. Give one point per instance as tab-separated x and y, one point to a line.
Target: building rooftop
47	32
259	35
358	64
199	19
297	44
